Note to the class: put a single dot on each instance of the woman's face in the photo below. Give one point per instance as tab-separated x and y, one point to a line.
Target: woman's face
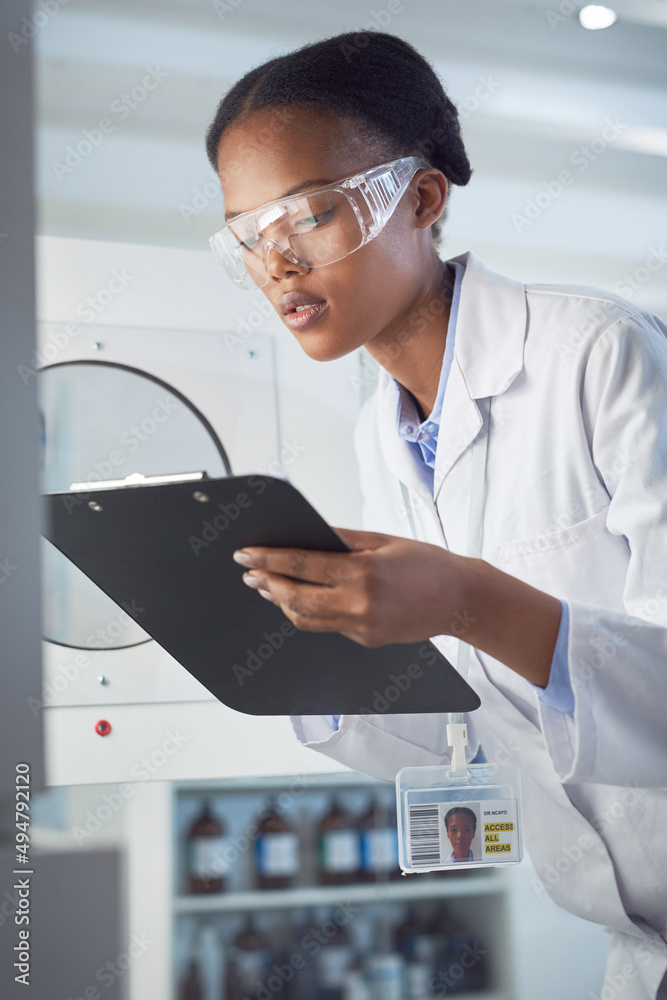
369	294
460	832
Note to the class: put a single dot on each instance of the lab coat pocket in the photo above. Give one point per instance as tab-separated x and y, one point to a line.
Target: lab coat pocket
571	562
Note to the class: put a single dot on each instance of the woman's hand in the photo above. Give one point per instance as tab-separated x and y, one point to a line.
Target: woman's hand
388	589
391	589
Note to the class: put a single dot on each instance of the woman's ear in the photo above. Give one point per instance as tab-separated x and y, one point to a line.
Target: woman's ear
431	190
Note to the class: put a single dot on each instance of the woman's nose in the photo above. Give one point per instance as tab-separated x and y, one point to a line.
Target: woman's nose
280	259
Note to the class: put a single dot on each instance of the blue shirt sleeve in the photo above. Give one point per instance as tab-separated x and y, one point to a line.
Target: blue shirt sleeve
558	693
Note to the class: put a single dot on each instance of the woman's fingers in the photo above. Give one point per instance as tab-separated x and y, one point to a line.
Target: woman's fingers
310	603
328	568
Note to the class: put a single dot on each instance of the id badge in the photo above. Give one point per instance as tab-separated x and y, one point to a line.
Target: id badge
449	820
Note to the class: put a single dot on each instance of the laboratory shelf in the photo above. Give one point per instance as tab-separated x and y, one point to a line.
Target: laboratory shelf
317	895
476	898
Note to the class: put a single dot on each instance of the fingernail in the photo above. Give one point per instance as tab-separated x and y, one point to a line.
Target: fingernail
266	594
242	557
250	580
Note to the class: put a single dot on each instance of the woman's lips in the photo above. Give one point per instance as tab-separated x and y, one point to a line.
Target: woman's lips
306	317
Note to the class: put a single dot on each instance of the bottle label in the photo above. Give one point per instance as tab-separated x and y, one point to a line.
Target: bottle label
251	965
334	961
379	850
207	857
386	976
278	854
418	977
340	851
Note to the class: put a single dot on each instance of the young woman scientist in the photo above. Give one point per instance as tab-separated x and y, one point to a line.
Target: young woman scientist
566	603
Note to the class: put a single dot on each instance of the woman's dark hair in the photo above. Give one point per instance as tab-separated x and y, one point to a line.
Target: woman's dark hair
461	809
392	92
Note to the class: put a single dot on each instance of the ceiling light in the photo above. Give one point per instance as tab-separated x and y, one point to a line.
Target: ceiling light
593	16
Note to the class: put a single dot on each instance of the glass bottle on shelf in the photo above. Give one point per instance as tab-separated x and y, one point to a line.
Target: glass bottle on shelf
305	983
385	966
355	981
205	852
191	987
210	955
276	850
248	962
447	934
467	963
333	962
414	940
338	846
282	974
379	843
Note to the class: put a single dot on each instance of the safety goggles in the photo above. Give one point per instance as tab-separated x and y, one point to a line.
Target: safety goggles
315	228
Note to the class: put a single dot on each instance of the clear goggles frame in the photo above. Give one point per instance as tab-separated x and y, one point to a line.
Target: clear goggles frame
316	228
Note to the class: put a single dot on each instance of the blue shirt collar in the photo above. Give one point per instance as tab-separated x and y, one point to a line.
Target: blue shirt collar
424	434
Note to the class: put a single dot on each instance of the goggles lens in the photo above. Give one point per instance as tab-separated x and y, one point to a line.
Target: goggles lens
313	230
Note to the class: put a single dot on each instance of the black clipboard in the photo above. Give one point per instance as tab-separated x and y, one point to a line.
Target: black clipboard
164	554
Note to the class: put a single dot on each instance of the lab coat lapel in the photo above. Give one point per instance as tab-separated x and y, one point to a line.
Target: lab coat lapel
488	355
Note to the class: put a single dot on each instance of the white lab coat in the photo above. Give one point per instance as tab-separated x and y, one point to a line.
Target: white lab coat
576	505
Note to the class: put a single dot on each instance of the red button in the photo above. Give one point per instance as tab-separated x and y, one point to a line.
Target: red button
103	728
